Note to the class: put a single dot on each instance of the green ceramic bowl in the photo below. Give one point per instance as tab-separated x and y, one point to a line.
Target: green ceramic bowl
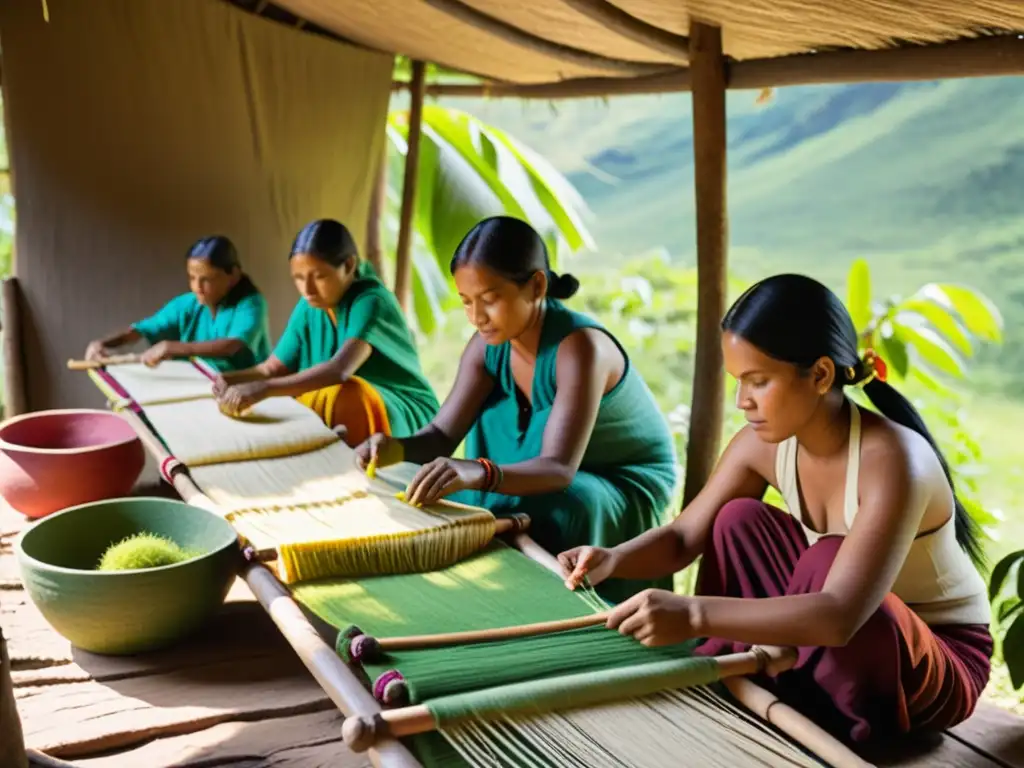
124	612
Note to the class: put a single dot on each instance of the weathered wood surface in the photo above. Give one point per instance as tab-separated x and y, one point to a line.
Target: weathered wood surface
236	695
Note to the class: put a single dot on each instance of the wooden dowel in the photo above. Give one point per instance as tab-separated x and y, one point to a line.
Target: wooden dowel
89	365
411	642
330	672
525	544
767	706
362	733
503	525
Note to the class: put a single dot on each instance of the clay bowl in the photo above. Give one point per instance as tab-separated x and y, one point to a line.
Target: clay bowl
126	612
50	460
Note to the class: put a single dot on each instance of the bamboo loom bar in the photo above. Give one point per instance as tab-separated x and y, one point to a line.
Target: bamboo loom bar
769	708
497	634
362	732
92	365
502	526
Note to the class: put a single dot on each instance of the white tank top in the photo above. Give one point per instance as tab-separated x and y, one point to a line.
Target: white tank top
938	581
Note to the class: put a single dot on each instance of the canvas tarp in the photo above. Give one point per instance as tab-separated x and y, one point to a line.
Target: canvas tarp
137	126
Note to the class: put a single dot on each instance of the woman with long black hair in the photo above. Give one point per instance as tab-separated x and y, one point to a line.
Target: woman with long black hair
868	573
557	421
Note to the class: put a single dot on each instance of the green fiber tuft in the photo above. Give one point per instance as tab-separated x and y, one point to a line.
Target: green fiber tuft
143	550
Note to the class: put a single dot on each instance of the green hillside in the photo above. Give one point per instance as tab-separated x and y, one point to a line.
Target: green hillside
925	180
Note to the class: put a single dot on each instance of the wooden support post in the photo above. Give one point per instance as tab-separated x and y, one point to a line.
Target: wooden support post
15	396
708	77
12	740
403	258
375	216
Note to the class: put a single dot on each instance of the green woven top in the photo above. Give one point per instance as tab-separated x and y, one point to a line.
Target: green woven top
629	468
367	311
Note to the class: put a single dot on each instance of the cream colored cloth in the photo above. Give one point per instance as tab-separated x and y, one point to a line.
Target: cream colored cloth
170	382
937	580
192	118
197	433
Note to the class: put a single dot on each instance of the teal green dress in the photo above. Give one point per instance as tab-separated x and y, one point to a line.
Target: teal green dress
242	315
629	470
367	311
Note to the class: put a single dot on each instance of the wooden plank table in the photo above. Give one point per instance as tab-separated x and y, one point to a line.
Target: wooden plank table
234	695
237	695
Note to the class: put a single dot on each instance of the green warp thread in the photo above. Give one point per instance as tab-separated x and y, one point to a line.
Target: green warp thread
537	697
498	587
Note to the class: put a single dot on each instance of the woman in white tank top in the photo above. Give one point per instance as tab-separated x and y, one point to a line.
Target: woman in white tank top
870	573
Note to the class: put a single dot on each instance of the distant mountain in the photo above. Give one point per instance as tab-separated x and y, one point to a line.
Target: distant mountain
925	180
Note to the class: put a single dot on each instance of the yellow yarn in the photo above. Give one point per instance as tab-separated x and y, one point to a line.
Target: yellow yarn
288	483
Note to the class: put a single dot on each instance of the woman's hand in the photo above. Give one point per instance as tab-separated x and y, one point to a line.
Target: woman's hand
385	449
592	563
238	398
656	617
444	476
220	386
96	351
156	354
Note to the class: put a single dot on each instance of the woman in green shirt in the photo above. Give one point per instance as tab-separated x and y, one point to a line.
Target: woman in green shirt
345	323
557	421
222	319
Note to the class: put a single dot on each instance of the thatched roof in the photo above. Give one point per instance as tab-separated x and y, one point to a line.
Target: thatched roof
546	41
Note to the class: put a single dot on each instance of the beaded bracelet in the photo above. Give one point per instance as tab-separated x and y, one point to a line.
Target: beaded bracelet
492	474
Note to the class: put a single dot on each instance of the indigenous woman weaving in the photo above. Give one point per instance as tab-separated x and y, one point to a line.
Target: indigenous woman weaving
557	422
869	574
345	323
222	319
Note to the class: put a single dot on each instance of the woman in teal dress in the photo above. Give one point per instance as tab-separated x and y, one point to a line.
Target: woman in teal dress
557	422
347	352
222	319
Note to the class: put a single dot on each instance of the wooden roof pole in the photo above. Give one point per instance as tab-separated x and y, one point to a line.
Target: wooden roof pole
708	78
12	741
374	217
403	256
14	389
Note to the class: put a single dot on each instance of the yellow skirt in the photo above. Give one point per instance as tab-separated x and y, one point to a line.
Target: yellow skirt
354	404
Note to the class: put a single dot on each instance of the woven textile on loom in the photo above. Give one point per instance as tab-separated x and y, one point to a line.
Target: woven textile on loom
287	482
542	701
510	703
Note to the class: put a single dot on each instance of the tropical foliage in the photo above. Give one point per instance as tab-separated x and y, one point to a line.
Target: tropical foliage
927	341
467	171
1006	591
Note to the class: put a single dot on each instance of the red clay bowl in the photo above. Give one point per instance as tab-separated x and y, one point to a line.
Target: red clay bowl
51	460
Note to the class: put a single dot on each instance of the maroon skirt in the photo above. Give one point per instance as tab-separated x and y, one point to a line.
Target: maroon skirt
896	675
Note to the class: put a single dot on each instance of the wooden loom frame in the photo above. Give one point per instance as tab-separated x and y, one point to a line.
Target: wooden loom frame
349	695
